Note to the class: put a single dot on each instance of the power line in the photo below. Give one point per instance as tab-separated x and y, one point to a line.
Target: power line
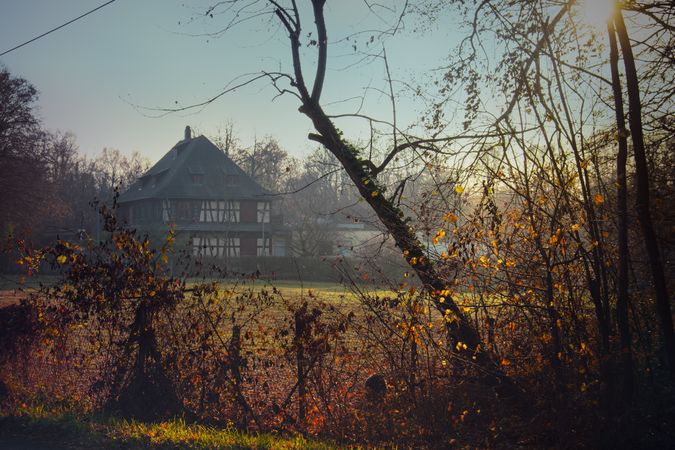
57	28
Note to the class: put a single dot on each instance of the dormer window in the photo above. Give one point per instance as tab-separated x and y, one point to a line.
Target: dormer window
196	175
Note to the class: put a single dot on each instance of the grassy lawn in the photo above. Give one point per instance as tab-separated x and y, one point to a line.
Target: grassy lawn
15	287
32	429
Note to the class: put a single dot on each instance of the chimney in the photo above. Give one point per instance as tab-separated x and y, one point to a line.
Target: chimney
188	133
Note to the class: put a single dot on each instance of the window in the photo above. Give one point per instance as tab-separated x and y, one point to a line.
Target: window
212	211
263	247
186	210
279	247
263	212
345	247
215	247
166	211
219	211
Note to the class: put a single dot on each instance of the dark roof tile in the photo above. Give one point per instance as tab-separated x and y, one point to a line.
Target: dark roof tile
171	177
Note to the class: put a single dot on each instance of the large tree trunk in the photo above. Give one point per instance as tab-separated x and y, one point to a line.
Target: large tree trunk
622	219
642	184
363	173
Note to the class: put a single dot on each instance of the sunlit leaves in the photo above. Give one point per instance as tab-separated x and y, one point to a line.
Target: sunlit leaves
450	217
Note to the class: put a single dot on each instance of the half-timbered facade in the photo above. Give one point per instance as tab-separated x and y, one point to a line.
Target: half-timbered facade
211	203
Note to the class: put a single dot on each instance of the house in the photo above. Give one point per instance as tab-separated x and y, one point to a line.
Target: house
216	209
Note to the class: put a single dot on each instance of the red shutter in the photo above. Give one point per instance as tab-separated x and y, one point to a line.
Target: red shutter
248	246
249	212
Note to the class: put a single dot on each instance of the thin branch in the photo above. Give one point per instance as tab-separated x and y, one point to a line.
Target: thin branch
323	49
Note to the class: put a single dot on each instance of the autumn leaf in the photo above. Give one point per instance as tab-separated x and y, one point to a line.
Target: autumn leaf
459	188
61	259
598	199
450	217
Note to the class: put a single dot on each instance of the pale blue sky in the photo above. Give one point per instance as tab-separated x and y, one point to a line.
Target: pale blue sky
140	51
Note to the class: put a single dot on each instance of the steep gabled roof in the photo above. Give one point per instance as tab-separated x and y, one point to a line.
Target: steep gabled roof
172	177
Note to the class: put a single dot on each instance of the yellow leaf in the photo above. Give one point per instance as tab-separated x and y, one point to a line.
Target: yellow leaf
61	259
439	235
575	227
459	189
374	194
598	199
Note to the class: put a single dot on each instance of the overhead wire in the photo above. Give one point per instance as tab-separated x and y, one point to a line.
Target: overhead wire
57	28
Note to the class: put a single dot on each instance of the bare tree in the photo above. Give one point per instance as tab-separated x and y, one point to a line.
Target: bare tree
361	168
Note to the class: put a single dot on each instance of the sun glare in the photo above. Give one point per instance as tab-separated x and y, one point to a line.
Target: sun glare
595	13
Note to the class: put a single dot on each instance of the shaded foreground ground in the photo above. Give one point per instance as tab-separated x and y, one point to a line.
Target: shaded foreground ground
648	424
68	432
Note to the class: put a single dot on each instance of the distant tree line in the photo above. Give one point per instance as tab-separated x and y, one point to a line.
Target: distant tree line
47	184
